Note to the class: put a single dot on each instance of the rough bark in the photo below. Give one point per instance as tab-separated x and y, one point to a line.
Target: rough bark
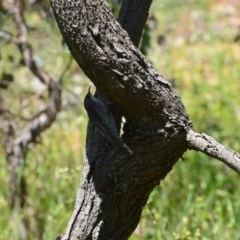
116	186
208	145
107	56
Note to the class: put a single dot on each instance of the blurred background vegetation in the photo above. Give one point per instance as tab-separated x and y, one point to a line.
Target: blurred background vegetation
193	43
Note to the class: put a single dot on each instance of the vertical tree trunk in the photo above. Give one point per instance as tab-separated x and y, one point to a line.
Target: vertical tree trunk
115	186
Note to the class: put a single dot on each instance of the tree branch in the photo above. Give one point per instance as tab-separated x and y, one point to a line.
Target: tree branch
24	46
133	16
16	145
208	145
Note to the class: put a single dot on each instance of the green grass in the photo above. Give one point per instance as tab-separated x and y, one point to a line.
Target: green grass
199	199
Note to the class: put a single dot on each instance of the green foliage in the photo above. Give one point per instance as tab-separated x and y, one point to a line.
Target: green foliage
115	6
199	199
146	40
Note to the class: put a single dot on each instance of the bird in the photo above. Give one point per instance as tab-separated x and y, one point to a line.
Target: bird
101	117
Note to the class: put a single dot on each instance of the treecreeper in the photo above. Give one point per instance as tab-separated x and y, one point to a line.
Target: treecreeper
100	115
